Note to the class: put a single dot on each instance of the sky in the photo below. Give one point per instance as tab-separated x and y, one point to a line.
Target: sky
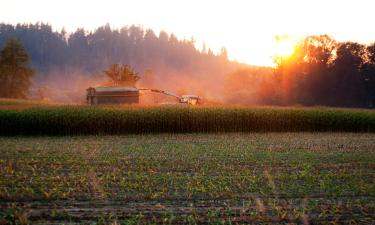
247	28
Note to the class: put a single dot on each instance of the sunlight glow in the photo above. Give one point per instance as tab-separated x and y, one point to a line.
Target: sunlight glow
246	28
284	46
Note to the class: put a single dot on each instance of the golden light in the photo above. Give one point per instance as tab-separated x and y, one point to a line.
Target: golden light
284	46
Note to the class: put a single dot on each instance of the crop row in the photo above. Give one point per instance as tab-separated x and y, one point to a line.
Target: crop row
79	120
213	166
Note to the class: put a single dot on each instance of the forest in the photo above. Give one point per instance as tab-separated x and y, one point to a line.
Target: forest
75	60
321	70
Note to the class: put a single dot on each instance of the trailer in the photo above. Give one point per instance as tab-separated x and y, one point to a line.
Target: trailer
112	95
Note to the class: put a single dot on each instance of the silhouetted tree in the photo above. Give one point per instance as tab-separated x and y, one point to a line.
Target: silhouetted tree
15	70
349	89
122	75
318	55
305	76
368	72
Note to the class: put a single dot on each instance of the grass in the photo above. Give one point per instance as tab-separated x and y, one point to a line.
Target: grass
83	120
189	178
22	104
11	101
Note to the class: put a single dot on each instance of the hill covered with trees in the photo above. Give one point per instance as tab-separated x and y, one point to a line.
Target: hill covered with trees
166	61
321	70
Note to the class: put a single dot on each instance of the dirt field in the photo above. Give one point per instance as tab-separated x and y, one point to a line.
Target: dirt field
205	178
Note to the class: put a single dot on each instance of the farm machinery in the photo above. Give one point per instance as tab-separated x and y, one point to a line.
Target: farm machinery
183	99
130	95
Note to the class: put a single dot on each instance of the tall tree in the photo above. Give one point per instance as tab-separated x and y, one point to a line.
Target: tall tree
349	89
15	70
305	76
368	73
122	75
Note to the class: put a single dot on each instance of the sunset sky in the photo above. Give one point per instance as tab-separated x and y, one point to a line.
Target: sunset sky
245	27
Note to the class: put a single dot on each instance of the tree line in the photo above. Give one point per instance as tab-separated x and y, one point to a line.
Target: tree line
92	51
326	72
321	71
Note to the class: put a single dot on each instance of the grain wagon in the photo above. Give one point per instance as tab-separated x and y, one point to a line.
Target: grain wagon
112	95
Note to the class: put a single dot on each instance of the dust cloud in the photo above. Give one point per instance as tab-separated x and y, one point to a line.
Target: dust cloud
240	87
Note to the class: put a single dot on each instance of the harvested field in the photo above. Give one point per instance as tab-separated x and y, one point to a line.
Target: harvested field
189	178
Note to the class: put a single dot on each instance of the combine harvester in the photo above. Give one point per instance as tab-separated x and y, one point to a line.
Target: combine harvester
130	95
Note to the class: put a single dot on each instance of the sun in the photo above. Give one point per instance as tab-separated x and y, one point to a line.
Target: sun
284	46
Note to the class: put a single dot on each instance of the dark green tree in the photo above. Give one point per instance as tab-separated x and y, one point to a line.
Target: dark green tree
122	75
15	70
349	88
368	73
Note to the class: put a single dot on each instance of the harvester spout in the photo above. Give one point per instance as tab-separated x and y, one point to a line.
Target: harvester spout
162	92
184	99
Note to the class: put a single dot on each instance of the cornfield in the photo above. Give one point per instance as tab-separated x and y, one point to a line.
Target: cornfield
81	120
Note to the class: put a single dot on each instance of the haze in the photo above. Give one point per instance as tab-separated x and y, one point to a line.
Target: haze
246	28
